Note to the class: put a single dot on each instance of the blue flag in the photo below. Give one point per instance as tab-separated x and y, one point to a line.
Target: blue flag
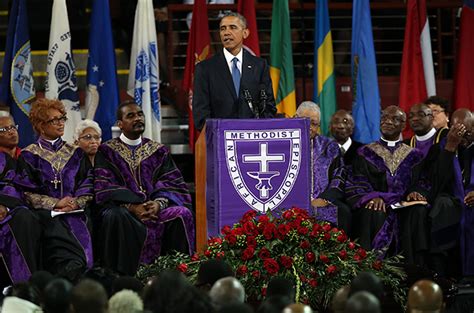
102	88
365	88
17	86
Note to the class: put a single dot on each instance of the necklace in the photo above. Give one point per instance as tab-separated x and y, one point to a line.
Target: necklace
56	164
136	166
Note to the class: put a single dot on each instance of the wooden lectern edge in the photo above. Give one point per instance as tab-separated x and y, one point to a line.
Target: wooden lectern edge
200	179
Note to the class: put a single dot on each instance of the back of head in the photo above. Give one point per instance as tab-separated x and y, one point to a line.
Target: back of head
190	300
212	270
163	290
26	291
89	297
339	299
125	301
236	308
280	286
104	276
425	296
367	281
298	308
227	290
41	279
362	302
127	282
274	304
57	296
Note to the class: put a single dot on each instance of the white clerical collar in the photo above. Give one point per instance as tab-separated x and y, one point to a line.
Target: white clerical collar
130	142
427	136
346	145
229	56
390	143
52	142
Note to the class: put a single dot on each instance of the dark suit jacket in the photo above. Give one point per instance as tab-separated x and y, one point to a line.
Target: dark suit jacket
351	153
214	93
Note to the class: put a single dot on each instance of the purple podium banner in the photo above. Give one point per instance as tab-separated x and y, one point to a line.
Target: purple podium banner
255	164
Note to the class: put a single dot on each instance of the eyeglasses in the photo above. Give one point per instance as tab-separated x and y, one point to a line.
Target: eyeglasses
90	137
393	119
8	128
420	114
57	120
436	112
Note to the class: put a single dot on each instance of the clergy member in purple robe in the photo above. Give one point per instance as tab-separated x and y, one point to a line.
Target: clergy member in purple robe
18	248
55	181
327	167
385	173
144	201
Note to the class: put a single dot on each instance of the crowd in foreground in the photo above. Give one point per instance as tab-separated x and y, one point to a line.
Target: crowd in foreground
216	290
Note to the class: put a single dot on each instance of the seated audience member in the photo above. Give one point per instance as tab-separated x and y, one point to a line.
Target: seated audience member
298	308
280	286
425	296
325	167
143	200
22	298
384	174
341	127
40	279
89	296
54	178
274	304
127	282
225	291
339	299
440	107
191	300
168	287
367	281
19	249
363	302
125	301
236	308
211	271
88	137
57	296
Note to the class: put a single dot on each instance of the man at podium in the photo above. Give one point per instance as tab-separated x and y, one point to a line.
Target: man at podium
233	83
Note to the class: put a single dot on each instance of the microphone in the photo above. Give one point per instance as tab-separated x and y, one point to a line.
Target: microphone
262	101
248	99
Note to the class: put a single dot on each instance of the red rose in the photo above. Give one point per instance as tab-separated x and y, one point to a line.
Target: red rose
220	255
268	231
231	239
264	291
324	258
271	266
341	238
317	227
297	222
331	269
263	219
195	257
351	245
242	270
287	215
214	241
249	215
286	261
377	265
207	253
249	228
238	231
326	236
310	257
362	253
251	241
248	253
183	267
226	230
305	244
256	274
313	283
264	253
326	227
357	258
303	230
283	229
343	254
303	278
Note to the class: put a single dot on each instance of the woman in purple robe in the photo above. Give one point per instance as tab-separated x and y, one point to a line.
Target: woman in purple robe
143	199
54	178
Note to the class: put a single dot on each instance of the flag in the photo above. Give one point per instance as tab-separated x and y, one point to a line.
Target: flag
17	86
281	57
199	43
102	88
247	9
365	88
464	80
324	89
143	80
417	80
61	71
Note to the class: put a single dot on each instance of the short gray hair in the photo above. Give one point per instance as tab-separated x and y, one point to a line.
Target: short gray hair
308	105
83	125
242	18
4	113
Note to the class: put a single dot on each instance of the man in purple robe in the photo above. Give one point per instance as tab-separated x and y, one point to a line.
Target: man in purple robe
384	174
143	199
326	167
18	248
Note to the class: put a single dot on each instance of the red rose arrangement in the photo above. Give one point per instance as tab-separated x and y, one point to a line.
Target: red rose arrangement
316	256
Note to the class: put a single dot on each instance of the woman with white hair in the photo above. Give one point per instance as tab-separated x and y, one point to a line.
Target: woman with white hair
88	137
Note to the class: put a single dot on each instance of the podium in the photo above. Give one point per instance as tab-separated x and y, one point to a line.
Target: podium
249	164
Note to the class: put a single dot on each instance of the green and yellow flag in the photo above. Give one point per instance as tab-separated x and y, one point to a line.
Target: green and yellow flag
281	59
